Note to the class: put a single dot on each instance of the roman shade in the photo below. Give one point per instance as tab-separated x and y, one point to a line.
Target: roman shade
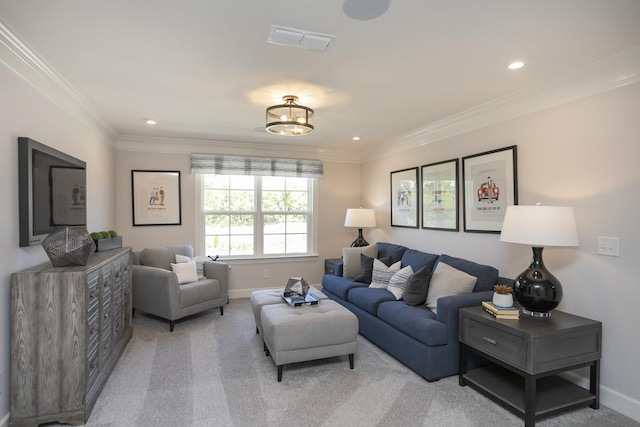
264	166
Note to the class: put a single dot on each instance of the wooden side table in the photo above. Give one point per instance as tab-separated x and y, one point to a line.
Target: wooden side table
330	265
526	355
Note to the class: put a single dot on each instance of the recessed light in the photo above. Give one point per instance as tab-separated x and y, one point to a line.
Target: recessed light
356	138
515	65
150	122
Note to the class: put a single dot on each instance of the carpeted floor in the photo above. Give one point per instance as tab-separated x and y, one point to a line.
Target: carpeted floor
211	371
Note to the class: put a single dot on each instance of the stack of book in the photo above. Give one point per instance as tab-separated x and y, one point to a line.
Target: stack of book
501	312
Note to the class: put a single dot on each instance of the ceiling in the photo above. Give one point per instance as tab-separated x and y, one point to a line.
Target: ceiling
204	70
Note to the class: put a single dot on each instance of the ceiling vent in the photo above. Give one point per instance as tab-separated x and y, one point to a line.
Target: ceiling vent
294	37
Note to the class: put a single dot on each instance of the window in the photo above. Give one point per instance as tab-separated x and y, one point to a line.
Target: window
255	216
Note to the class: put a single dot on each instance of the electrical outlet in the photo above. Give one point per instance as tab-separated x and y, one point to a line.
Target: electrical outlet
609	246
265	274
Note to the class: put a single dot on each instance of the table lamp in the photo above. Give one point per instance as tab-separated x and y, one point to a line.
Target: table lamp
360	218
536	289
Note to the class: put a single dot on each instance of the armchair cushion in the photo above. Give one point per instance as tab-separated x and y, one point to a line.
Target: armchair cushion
185	271
199	264
163	257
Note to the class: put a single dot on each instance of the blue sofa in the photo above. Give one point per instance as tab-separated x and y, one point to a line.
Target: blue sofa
424	341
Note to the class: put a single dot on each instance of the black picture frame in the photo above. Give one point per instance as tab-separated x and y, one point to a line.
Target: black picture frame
156	197
405	198
490	182
440	191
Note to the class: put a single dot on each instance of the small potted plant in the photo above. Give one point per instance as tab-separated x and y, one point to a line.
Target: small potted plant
502	296
106	240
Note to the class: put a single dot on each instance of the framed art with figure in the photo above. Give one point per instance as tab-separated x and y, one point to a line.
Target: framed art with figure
439	186
490	185
155	197
404	198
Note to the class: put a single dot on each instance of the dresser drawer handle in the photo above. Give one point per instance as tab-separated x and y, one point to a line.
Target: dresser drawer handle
490	340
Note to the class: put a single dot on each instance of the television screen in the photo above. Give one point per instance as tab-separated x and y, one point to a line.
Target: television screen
52	191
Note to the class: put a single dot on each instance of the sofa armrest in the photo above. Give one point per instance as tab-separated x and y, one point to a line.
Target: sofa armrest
155	290
448	307
218	270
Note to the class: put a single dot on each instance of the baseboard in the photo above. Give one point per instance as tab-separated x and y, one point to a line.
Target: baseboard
4	421
610	398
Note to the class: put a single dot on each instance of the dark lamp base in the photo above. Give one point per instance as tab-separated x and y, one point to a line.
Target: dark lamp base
360	240
536	289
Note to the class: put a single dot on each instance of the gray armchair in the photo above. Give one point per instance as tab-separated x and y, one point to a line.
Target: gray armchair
156	290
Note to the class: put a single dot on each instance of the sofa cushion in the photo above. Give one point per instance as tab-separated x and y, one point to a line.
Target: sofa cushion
418	322
486	275
351	259
391	250
381	273
447	281
366	268
185	271
339	286
164	256
417	287
197	292
398	281
369	299
417	259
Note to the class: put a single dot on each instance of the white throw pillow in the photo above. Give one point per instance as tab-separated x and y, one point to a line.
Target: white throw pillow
351	259
199	265
186	272
398	282
447	281
382	274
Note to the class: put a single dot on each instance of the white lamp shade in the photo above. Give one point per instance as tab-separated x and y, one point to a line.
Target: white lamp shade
360	218
540	226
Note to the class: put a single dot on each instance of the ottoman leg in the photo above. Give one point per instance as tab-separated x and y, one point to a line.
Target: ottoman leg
279	373
266	351
351	362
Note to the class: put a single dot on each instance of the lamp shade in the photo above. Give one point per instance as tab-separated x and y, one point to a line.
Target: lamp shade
540	226
360	218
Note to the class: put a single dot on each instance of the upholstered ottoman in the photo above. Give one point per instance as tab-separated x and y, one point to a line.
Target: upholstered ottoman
299	334
265	297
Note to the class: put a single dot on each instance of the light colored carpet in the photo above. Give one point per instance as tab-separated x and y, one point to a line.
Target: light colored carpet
212	371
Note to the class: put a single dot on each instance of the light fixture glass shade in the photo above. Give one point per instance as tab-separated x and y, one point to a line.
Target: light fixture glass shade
289	119
536	289
360	218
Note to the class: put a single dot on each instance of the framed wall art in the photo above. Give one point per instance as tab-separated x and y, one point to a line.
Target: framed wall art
439	186
490	185
404	198
155	197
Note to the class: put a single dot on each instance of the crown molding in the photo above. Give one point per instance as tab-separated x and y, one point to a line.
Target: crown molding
188	146
25	63
609	73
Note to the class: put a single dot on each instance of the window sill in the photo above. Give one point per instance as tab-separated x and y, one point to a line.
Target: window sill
269	259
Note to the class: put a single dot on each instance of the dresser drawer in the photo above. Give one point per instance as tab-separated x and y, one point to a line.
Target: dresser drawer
494	342
93	292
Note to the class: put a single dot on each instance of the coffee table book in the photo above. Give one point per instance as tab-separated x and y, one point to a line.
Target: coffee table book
501	312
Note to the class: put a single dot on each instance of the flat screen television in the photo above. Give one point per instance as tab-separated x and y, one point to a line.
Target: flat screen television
52	191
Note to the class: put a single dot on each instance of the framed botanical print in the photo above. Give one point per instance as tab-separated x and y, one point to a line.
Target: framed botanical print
439	187
155	197
490	185
404	198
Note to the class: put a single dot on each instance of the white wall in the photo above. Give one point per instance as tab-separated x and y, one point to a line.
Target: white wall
24	112
338	190
584	154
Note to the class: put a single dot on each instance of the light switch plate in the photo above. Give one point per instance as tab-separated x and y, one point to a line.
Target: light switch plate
609	246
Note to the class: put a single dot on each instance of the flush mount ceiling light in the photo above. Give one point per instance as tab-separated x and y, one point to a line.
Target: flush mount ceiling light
289	119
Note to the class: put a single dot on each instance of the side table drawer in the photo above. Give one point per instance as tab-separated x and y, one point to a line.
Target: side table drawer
494	342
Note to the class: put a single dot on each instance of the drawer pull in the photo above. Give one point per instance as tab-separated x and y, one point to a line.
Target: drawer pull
490	340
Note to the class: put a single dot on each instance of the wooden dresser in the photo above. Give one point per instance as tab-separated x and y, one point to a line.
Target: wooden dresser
69	326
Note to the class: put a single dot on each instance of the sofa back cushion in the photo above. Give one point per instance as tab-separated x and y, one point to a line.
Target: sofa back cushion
486	275
391	250
417	259
163	257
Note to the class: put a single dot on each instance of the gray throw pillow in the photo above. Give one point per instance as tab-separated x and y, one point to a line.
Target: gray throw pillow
366	268
351	259
447	281
417	287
